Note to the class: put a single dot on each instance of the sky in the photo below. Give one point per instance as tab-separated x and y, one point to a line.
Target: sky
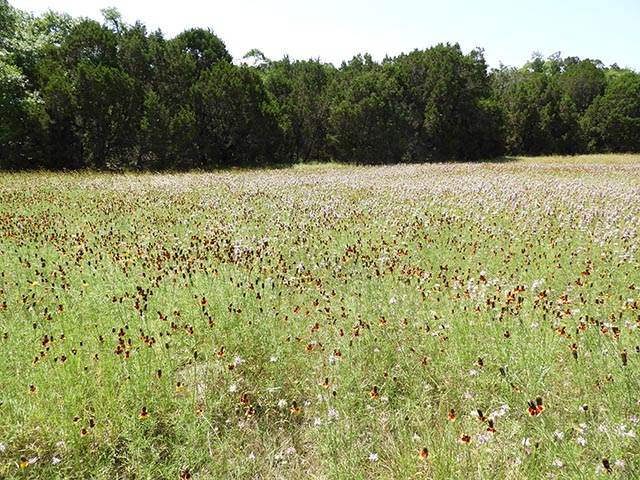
509	31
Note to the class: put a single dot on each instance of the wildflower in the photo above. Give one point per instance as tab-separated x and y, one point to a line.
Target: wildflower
535	408
55	461
424	453
332	413
482	439
252	457
620	464
491	428
479	415
557	463
317	422
500	412
374	393
232	388
2	447
581	441
373	457
237	361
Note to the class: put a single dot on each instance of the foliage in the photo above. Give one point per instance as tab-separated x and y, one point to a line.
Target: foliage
300	90
613	119
236	121
448	95
78	93
366	121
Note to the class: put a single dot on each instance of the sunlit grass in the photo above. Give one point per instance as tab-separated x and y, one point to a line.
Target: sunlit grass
600	159
423	321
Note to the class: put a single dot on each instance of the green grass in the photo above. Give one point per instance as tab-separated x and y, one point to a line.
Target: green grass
322	322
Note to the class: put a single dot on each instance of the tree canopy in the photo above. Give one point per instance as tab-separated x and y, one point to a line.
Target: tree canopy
78	93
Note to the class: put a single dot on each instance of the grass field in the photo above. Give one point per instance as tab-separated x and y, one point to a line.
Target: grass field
413	321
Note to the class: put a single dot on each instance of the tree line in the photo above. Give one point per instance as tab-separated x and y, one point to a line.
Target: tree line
78	93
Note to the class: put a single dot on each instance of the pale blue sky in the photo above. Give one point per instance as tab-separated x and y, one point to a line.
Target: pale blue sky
335	30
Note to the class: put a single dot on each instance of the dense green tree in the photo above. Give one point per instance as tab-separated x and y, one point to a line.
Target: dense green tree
452	114
110	107
612	121
204	47
78	93
236	120
366	121
300	90
22	120
583	81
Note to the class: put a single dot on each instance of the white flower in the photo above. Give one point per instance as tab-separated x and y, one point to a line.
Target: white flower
282	403
500	412
317	422
332	413
373	457
252	457
232	388
273	359
291	450
55	460
581	441
237	361
557	463
2	447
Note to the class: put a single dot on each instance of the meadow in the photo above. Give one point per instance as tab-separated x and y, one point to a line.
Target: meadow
412	321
